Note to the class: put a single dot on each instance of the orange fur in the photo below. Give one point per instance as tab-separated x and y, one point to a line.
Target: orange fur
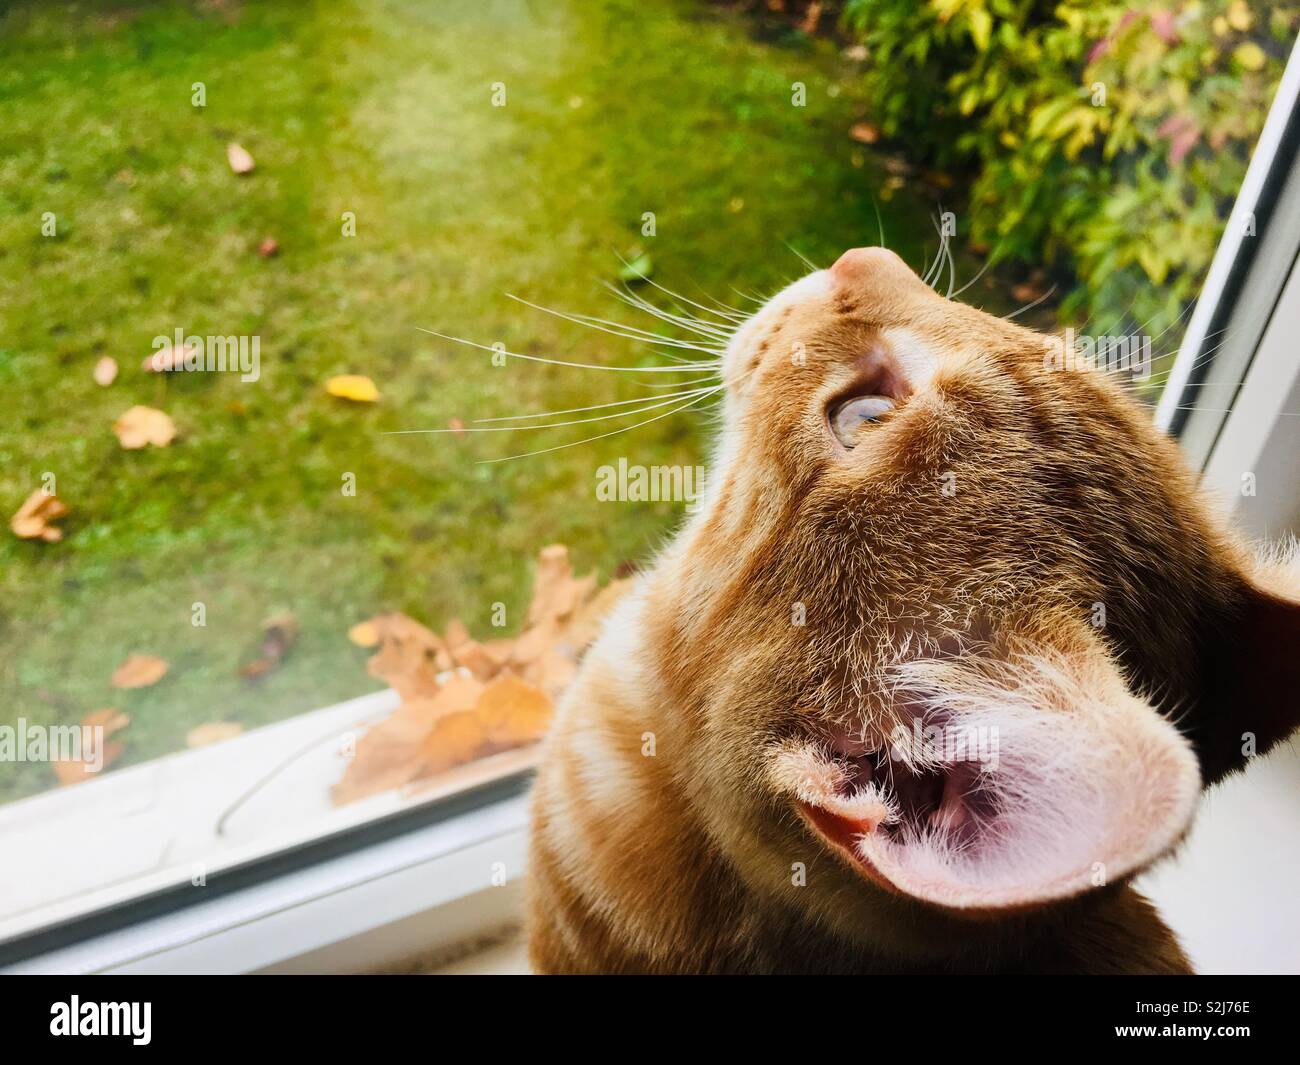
662	839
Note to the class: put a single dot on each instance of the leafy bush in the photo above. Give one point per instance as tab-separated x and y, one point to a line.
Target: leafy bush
1106	138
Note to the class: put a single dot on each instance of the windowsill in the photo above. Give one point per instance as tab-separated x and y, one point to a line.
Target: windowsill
152	827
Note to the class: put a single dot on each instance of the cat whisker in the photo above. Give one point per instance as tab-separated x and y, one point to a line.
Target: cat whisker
657	403
614	329
667	291
682	368
711	330
988	262
583	410
1029	306
803	258
615	432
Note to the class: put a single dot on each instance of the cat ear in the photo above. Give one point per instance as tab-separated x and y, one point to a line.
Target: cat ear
1251	685
1025	780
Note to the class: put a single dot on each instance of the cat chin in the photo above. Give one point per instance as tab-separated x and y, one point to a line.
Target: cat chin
1065	801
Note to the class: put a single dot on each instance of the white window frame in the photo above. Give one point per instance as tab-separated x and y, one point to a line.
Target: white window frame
368	888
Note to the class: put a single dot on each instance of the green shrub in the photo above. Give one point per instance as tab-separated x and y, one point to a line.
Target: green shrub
1104	138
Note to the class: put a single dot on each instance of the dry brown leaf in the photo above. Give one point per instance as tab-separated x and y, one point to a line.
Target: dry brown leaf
456	633
475	657
458	693
141	426
241	162
76	770
139	671
385	757
456	739
279	633
364	634
513	711
356	387
865	133
105	372
409	658
552	672
212	732
555	591
534	643
35	519
500	649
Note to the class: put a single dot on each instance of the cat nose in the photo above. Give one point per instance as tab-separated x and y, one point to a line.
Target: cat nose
857	264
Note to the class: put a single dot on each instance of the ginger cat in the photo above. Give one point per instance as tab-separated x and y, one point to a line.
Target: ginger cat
944	658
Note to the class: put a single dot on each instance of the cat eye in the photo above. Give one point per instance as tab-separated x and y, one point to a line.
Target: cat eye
848	418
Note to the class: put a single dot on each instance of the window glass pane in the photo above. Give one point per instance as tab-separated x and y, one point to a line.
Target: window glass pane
260	352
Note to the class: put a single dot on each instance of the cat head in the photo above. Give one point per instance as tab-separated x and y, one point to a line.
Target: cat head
952	624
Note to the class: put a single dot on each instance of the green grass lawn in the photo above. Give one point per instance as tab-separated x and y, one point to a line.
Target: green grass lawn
382	109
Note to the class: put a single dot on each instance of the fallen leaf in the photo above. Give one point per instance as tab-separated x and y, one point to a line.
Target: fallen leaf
475	657
141	426
456	634
556	593
212	732
456	739
268	248
139	671
102	751
364	634
385	757
865	132
552	671
169	358
514	712
356	387
241	162
35	519
105	372
279	633
459	693
409	658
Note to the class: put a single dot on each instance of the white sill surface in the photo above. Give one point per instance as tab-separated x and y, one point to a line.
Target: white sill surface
139	829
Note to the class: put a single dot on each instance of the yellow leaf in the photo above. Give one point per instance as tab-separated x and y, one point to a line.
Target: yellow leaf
141	426
364	634
139	671
212	732
352	386
1249	55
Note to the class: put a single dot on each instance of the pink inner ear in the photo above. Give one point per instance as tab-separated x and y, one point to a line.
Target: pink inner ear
1030	789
